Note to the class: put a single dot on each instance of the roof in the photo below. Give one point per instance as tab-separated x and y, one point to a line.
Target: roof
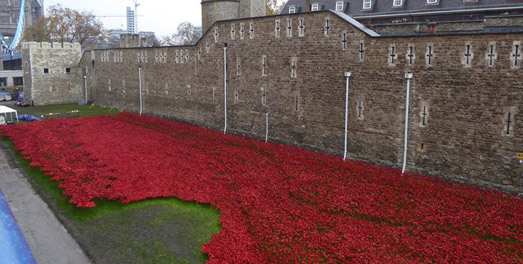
356	24
379	7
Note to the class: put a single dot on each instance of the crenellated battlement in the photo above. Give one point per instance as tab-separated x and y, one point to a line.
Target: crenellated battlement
51	45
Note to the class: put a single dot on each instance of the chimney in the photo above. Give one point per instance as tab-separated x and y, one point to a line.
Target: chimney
307	6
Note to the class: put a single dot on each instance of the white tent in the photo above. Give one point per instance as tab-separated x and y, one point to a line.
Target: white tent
6	111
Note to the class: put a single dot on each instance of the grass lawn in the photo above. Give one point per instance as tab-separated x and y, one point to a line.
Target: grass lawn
151	231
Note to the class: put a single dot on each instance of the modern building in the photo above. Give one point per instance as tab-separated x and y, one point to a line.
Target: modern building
131	21
422	16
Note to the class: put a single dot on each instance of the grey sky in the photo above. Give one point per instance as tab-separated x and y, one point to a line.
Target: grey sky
160	16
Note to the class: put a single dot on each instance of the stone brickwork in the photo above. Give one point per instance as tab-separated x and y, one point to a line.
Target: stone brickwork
51	75
217	10
465	111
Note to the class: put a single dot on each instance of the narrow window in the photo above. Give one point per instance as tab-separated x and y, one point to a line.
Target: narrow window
277	28
429	59
216	35
361	50
236	96
516	55
508	122
264	96
110	88
468	55
294	67
233	31
491	54
46	70
251	30
392	56
344	41
326	28
410	55
238	67
264	65
296	103
214	94
424	114
242	31
289	27
359	110
301	27
339	6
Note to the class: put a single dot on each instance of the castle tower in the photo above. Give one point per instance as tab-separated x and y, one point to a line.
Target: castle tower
252	8
216	10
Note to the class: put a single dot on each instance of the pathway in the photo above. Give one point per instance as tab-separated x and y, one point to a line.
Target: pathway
47	237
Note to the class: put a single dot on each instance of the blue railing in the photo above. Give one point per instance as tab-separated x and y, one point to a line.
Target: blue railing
13	246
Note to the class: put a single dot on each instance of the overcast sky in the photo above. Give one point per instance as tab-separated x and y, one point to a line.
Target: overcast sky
160	16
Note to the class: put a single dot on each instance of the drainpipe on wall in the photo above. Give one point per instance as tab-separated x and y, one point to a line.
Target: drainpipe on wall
85	88
307	6
140	88
225	86
408	76
266	127
347	75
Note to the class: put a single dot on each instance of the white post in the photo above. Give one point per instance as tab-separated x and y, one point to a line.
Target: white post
225	86
140	88
85	86
408	76
348	75
266	127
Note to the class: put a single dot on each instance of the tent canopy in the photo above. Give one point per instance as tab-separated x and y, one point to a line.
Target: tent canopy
4	110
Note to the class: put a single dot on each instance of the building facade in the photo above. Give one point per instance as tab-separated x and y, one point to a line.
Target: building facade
422	16
51	73
465	92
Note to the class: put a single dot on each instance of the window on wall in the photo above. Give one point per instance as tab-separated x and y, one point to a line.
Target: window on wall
367	4
4	3
5	20
315	7
432	2
46	70
470	1
397	3
67	70
339	6
292	9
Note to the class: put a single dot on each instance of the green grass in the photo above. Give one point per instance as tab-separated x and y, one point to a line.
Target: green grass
121	222
83	110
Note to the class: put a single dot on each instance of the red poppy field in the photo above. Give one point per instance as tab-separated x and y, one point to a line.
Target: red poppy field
278	203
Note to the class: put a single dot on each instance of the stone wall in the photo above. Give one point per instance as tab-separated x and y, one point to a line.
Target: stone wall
465	102
51	75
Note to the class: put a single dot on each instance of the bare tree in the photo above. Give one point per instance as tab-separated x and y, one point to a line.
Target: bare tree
66	25
273	7
186	34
